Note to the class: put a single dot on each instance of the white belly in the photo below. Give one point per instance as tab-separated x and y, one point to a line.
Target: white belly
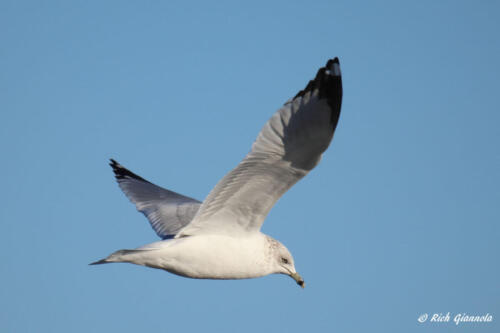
209	256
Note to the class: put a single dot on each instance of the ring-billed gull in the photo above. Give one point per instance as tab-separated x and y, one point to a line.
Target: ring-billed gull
220	238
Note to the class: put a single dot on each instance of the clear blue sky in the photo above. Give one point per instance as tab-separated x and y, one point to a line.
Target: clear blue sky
400	218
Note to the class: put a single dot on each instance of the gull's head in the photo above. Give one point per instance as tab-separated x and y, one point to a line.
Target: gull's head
284	263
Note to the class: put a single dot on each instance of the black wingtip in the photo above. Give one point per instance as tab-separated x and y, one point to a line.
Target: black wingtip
328	82
333	67
323	79
121	172
330	62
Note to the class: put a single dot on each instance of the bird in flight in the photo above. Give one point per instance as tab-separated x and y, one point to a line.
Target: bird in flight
220	238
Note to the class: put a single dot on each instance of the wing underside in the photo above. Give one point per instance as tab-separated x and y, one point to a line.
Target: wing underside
289	145
167	211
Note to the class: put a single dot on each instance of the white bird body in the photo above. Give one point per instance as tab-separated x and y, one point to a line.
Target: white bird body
200	256
220	238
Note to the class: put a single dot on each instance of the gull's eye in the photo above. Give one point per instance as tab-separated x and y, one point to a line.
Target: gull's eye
284	260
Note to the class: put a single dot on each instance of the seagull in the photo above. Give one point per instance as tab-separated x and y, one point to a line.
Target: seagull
220	238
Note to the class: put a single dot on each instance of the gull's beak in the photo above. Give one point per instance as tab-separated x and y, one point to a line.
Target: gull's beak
298	279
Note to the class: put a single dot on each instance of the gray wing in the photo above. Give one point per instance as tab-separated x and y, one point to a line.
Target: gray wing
287	148
167	211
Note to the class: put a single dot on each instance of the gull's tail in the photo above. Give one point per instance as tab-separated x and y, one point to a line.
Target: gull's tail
118	256
102	261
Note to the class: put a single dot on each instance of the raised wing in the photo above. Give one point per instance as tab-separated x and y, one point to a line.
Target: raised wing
167	211
287	148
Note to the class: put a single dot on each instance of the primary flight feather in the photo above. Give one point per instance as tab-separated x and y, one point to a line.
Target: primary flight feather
220	238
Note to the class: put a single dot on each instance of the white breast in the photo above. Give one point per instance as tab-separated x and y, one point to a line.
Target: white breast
210	256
